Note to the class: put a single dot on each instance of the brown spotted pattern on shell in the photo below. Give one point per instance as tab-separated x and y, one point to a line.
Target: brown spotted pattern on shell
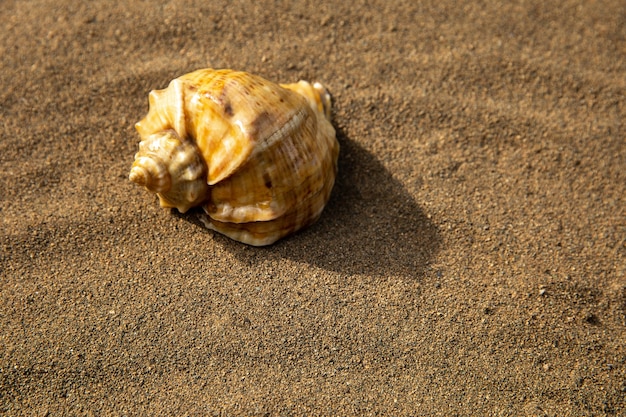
258	157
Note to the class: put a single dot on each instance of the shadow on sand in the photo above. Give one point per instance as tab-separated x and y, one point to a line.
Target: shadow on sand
371	225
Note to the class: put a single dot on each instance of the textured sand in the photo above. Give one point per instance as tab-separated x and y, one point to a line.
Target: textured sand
471	261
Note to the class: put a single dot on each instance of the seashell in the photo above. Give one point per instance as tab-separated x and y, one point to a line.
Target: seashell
259	158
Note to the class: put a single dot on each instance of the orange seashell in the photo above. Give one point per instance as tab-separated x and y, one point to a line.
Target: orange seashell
258	157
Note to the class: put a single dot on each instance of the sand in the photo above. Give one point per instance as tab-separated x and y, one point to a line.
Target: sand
471	261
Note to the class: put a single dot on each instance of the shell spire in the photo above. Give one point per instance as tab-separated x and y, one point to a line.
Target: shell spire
171	168
151	173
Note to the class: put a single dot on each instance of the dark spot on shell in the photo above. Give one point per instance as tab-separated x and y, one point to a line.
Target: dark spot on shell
268	180
225	102
228	109
263	123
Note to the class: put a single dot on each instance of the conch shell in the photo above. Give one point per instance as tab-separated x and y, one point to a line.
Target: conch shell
258	157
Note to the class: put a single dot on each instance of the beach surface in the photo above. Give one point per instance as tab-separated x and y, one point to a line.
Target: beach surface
471	260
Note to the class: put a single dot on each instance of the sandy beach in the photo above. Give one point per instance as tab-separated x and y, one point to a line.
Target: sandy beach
471	260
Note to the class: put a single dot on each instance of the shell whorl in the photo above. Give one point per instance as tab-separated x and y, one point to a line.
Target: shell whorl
172	168
316	94
152	173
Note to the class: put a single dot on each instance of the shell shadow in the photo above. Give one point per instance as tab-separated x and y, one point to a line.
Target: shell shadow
371	225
